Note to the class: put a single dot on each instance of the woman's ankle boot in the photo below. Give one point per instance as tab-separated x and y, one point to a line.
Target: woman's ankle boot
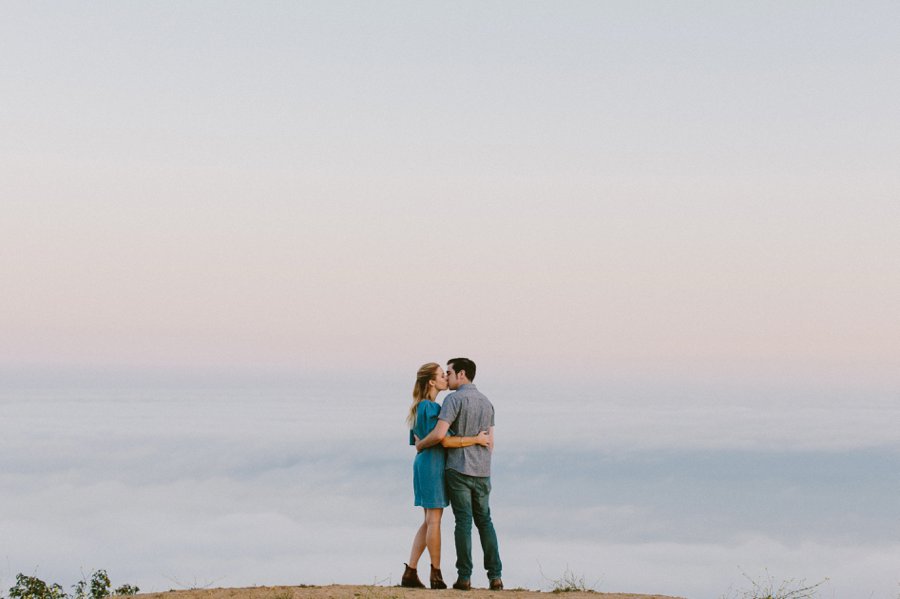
437	580
411	578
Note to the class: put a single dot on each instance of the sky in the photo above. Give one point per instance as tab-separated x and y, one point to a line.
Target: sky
639	189
666	233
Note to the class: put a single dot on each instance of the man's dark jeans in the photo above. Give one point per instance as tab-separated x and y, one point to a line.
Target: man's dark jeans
469	497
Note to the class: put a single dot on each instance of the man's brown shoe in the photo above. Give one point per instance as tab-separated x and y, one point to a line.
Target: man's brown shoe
462	584
411	579
496	585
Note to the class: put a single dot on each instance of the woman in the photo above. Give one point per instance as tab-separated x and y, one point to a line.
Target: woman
428	472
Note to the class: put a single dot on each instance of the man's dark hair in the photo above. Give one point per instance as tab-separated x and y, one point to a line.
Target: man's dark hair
463	365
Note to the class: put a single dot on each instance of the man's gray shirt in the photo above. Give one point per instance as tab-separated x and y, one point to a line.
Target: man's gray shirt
469	412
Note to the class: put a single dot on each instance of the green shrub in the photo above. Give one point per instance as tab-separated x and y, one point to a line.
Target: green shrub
32	587
99	587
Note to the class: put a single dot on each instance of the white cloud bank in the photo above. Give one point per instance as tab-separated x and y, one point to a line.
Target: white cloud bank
191	488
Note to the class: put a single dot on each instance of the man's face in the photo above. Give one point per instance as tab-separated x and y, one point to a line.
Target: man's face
453	381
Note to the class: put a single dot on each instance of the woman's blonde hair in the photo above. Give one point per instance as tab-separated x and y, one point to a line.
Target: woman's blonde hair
425	375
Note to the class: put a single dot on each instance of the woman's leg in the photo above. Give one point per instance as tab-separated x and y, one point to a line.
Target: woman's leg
433	534
418	546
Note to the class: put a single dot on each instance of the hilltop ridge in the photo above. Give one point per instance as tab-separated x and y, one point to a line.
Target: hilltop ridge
379	592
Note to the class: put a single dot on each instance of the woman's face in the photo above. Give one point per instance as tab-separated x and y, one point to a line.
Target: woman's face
440	379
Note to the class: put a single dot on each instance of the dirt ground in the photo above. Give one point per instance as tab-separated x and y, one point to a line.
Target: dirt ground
381	592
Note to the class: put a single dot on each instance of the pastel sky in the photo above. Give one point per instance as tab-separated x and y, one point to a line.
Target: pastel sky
580	188
667	232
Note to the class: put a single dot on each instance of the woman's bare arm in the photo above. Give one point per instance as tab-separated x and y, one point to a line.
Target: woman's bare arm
483	438
437	435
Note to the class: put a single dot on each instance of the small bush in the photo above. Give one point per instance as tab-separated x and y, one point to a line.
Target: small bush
569	582
32	587
768	588
98	588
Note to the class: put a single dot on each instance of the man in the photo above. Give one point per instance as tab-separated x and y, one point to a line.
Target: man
468	412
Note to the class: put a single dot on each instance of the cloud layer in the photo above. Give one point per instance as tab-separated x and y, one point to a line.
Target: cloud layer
168	489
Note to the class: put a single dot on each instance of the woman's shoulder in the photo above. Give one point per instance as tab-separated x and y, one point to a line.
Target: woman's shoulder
429	407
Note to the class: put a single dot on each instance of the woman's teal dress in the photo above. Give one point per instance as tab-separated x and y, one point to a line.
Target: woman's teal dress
428	469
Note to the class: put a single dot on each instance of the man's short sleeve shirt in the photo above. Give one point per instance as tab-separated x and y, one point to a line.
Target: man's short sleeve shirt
469	412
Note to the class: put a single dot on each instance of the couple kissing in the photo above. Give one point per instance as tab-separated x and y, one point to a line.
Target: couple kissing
454	443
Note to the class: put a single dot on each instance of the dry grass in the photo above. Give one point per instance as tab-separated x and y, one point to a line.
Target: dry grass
377	592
